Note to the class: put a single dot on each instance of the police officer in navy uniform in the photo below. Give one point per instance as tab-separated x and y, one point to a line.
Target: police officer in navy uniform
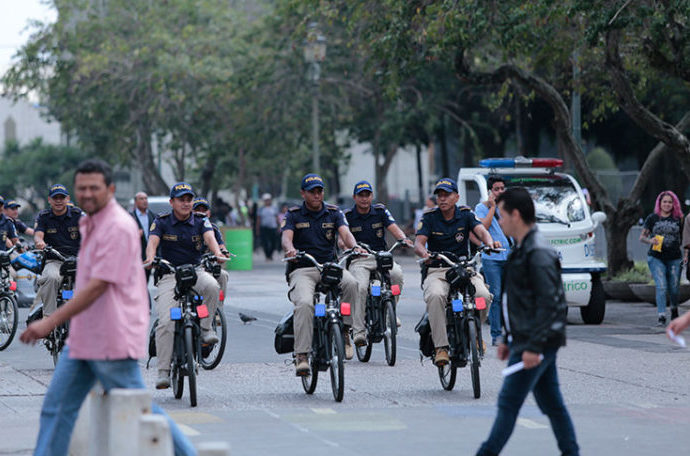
7	229
181	235
57	227
312	228
11	211
446	228
202	207
367	224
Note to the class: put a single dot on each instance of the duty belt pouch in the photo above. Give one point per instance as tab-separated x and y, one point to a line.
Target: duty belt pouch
185	277
285	334
423	328
457	277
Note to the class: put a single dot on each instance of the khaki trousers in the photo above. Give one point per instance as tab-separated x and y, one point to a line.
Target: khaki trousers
361	268
48	284
223	283
206	286
436	297
302	284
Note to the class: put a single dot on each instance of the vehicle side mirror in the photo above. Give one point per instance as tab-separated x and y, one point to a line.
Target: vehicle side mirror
598	218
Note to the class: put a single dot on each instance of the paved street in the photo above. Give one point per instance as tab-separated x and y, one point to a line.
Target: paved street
625	384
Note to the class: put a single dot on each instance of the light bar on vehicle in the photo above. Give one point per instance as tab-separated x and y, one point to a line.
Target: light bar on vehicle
521	162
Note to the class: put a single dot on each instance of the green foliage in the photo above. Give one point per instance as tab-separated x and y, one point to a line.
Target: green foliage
639	273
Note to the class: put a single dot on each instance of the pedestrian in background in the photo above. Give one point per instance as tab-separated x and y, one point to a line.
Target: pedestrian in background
493	263
662	231
534	318
267	225
109	315
144	218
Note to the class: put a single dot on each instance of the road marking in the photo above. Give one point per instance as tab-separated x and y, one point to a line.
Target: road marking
186	430
345	422
194	417
530	424
323	411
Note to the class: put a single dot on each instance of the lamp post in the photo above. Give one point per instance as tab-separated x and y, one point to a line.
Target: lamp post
314	54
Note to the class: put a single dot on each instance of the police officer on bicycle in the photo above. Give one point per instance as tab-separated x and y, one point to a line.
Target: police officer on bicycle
7	229
201	206
57	227
446	228
181	236
11	211
367	223
312	227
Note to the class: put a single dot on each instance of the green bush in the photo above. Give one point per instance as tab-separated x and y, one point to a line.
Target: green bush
639	273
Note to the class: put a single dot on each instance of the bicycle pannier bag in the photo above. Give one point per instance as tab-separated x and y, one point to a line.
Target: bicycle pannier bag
331	274
426	344
285	334
384	261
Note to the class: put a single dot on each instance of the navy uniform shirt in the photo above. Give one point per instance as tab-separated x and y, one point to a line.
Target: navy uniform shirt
7	230
370	228
61	232
314	232
19	226
219	238
448	235
181	241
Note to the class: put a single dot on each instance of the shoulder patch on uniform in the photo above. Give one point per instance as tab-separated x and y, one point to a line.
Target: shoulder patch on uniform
464	208
164	214
43	212
347	211
332	207
294	208
379	205
430	210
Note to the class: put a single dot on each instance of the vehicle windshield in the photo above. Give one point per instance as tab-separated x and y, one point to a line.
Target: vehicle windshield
555	198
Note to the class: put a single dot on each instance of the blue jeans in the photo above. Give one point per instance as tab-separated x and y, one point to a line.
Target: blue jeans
493	272
666	274
543	382
72	381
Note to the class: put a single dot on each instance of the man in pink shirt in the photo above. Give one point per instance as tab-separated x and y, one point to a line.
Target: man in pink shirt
109	314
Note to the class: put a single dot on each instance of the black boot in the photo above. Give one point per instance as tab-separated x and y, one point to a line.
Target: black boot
674	312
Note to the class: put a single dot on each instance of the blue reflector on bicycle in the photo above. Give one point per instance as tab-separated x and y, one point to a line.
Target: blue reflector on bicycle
320	310
176	313
457	305
67	294
376	290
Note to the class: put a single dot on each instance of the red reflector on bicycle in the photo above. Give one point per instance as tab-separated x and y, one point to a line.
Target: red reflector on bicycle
221	296
345	308
395	289
202	311
13	286
480	303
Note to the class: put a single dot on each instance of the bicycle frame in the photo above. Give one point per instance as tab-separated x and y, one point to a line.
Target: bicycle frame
322	323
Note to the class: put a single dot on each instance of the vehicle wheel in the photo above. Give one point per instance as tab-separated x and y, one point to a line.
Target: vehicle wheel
593	313
474	362
8	321
177	381
309	381
390	331
211	355
336	355
447	375
189	361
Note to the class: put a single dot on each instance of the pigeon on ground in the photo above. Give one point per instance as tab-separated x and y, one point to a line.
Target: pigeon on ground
246	318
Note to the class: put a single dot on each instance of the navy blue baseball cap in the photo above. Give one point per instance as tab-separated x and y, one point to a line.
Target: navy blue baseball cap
181	189
11	203
58	189
447	184
2	200
362	186
201	202
311	181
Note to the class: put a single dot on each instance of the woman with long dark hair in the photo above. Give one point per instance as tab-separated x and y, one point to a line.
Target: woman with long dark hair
662	231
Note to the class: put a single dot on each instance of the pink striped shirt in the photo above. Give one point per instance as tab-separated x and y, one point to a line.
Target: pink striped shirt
114	326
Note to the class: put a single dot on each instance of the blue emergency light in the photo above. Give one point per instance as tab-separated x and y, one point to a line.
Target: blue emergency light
320	310
521	162
175	313
457	305
67	294
376	290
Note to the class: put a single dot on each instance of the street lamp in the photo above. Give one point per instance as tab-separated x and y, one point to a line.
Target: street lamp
314	54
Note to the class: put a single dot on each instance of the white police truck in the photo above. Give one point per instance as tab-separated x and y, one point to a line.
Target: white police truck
563	218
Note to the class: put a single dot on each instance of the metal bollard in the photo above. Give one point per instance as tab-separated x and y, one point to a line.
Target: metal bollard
213	449
79	444
124	407
154	437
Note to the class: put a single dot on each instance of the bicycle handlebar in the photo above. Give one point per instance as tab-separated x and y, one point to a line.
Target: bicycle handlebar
464	262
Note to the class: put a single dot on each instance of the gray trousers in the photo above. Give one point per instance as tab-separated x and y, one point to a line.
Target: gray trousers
206	286
361	268
302	284
436	296
48	284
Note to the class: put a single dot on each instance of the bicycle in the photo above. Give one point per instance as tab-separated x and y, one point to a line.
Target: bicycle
380	317
328	344
463	323
9	309
187	314
212	354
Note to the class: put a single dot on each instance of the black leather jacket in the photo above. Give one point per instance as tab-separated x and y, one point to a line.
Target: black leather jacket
536	300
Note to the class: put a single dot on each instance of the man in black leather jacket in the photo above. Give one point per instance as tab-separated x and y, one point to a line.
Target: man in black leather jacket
534	319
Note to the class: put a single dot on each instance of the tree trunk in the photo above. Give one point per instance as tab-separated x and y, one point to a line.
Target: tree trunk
207	174
420	181
143	154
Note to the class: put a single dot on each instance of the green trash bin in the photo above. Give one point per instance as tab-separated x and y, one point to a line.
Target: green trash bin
240	242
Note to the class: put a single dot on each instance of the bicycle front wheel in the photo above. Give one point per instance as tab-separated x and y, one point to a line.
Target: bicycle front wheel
336	355
211	355
8	321
189	360
474	362
390	331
